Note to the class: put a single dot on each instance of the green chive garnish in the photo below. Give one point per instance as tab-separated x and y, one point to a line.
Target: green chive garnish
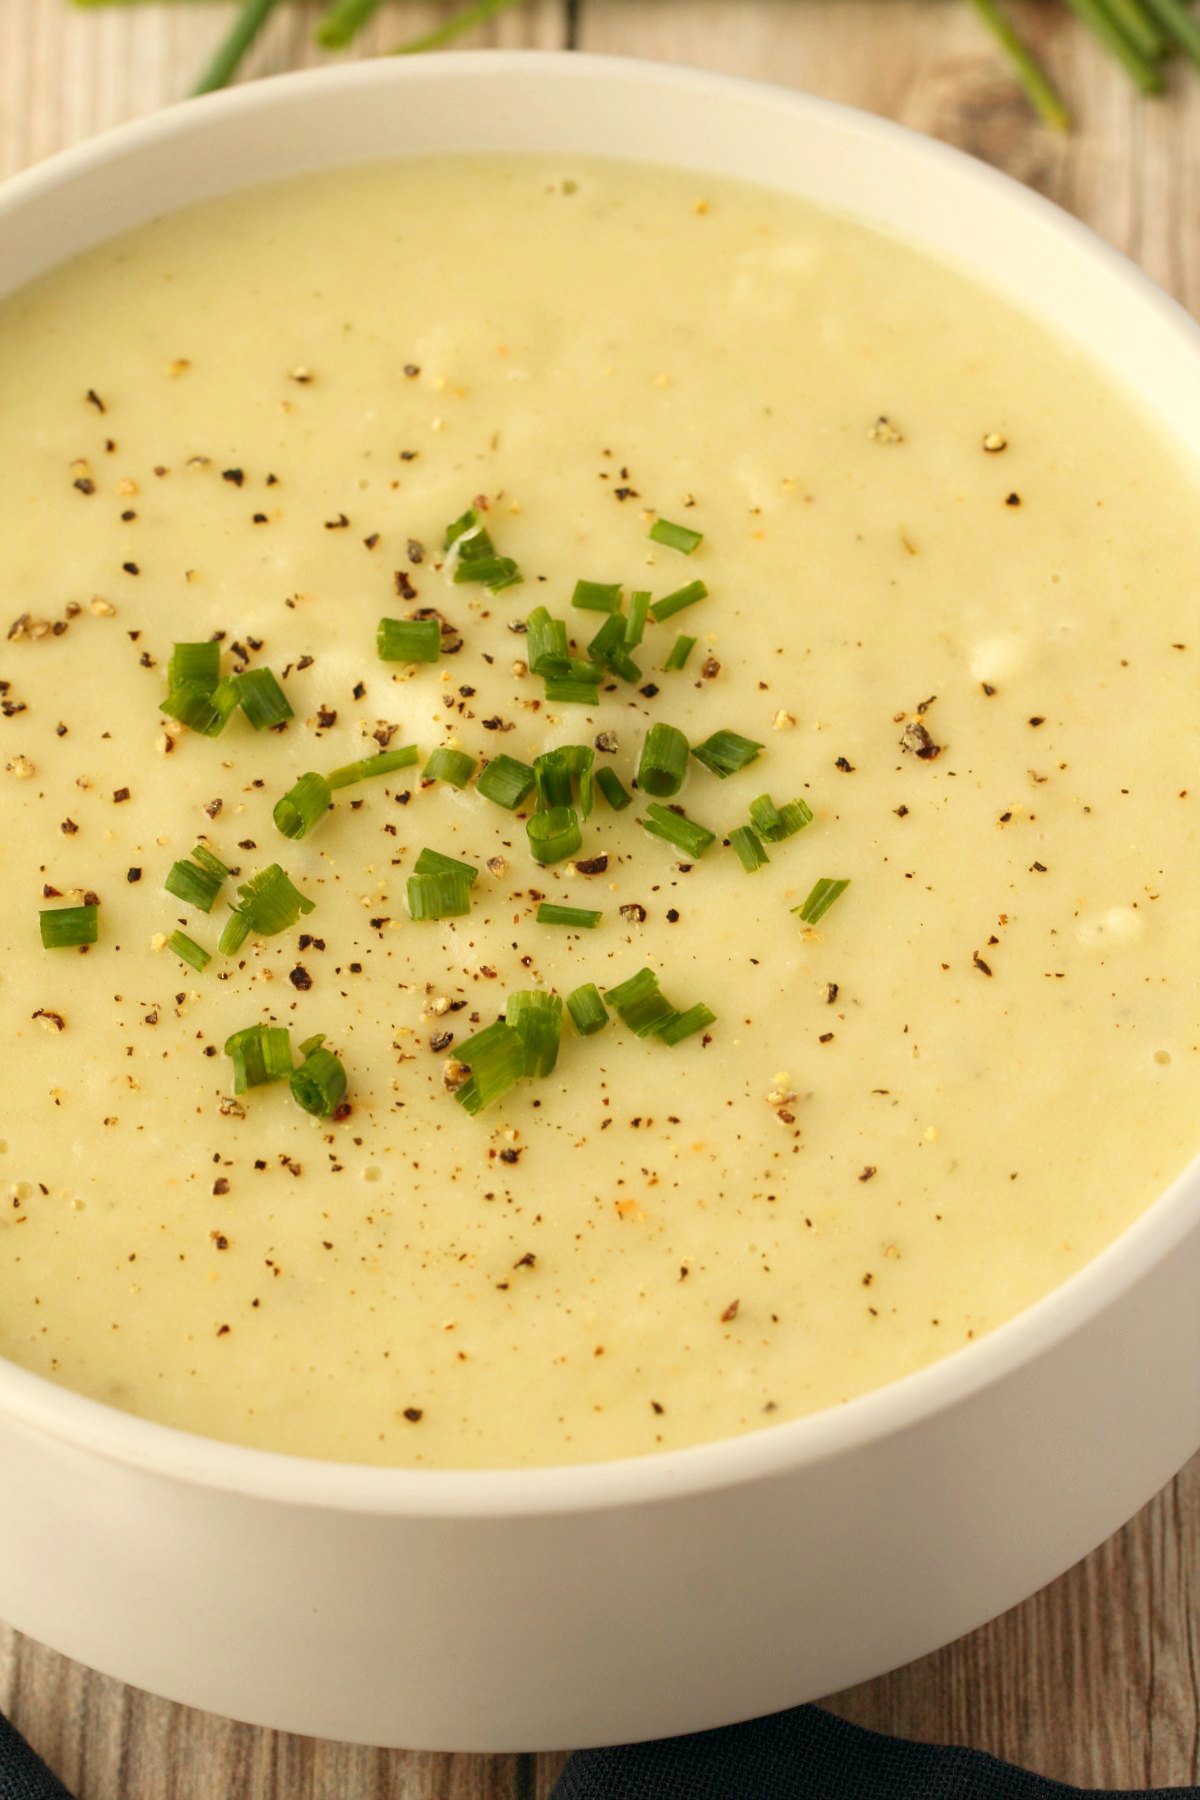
578	916
260	1053
66	927
271	902
224	701
408	640
262	699
192	704
554	834
386	763
685	834
452	766
778	822
199	664
608	647
319	1084
679	652
597	596
696	1018
189	951
235	933
496	1059
209	860
641	1004
477	560
819	901
663	763
459	527
725	752
564	778
536	1017
609	783
195	886
675	602
444	894
303	804
505	781
571	692
675	537
635	624
432	862
546	645
587	1009
747	846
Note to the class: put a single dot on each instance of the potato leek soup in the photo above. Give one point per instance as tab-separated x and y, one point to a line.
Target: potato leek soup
597	814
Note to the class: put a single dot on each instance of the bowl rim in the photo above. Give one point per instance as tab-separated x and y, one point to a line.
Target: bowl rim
37	1403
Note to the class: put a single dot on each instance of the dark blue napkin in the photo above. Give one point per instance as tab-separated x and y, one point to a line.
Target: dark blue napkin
809	1755
24	1776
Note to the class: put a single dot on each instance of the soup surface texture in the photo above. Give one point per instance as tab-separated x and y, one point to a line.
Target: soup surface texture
950	590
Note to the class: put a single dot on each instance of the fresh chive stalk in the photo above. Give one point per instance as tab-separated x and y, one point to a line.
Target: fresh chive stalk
1038	87
506	781
408	640
726	752
248	22
597	596
554	834
609	783
580	917
452	766
343	22
433	862
536	1017
588	1011
67	927
775	823
496	1058
189	951
675	602
1179	24
1100	21
663	762
684	833
386	763
308	800
262	699
319	1084
820	899
678	654
443	894
675	537
747	846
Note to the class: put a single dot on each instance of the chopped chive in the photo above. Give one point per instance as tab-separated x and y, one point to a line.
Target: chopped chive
192	704
696	1018
581	759
312	1043
260	1053
554	834
209	860
552	774
725	752
432	862
609	783
460	527
641	1004
195	886
271	902
635	624
571	692
442	894
198	664
684	833
675	537
408	640
496	1058
386	763
597	596
304	803
235	933
545	642
224	701
579	916
476	559
608	647
319	1084
452	766
663	763
679	652
536	1017
189	951
675	602
587	1009
66	927
778	822
747	846
262	699
819	901
505	781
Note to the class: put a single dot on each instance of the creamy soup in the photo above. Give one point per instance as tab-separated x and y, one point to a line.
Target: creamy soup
947	590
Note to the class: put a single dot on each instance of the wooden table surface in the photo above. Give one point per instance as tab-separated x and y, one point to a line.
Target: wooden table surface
1095	1681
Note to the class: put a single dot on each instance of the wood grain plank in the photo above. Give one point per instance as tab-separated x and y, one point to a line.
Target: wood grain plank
1095	1680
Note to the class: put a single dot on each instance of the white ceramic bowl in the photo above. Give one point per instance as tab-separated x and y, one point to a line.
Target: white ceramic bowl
499	1611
